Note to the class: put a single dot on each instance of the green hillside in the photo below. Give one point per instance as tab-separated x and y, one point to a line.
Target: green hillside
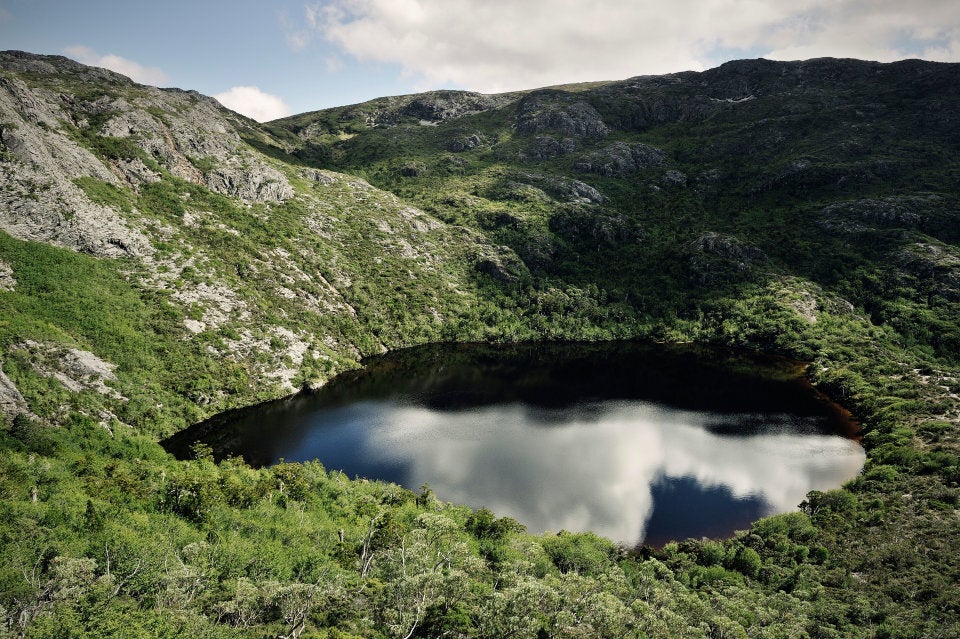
163	259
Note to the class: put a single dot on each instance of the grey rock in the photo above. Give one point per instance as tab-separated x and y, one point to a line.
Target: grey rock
413	169
426	108
38	197
934	261
502	264
319	177
7	281
135	172
909	212
674	179
545	147
621	159
466	143
252	181
579	190
12	402
709	177
198	130
31	63
715	258
76	369
580	223
545	111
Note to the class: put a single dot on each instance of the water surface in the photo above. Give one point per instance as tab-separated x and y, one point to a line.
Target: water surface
635	442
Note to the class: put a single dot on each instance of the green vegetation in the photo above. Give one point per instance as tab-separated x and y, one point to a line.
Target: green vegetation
816	217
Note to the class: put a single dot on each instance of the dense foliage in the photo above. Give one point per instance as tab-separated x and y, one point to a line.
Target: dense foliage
806	210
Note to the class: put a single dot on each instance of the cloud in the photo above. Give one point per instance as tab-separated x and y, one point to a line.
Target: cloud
133	70
253	103
596	473
499	45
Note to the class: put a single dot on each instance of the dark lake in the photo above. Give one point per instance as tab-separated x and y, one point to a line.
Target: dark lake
637	442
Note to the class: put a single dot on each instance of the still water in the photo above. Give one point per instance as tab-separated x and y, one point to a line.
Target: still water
635	442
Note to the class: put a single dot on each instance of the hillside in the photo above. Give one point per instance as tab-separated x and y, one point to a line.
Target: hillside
163	259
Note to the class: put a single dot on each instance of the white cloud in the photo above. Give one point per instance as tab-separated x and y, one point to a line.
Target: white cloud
253	103
133	70
595	473
498	45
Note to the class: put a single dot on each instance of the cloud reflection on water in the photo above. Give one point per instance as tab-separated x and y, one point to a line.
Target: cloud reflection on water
594	469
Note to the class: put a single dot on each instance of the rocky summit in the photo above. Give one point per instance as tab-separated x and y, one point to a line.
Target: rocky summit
163	260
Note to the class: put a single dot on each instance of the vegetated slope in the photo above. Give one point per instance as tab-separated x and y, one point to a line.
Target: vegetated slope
163	259
230	276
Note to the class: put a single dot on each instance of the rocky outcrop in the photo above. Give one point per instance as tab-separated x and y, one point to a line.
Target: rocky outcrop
898	212
200	136
39	199
439	106
580	223
558	112
114	132
674	179
579	191
934	261
621	159
545	147
714	258
257	182
78	370
413	169
523	186
807	173
429	108
12	402
465	142
500	263
7	281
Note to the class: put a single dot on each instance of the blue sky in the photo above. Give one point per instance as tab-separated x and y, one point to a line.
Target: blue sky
291	56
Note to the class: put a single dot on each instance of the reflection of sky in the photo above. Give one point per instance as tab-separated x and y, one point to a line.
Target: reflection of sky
595	470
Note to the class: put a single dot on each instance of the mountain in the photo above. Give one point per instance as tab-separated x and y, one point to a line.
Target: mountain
163	259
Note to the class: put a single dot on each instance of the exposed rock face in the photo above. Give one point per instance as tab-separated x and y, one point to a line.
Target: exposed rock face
200	135
76	369
587	223
674	179
12	402
621	159
639	103
465	142
501	264
551	111
413	169
907	212
542	187
256	182
426	108
38	197
937	262
714	258
544	147
42	157
7	281
438	106
582	191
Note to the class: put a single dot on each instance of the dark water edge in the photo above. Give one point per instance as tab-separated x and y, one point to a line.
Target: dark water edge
406	417
548	375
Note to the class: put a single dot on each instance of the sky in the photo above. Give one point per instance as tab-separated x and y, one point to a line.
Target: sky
268	59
